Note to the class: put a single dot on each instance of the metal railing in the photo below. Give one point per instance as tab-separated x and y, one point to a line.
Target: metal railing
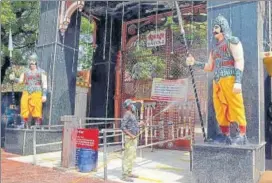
105	146
114	132
81	124
144	130
35	145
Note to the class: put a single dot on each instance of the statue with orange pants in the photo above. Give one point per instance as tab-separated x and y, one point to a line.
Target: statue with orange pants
226	59
34	94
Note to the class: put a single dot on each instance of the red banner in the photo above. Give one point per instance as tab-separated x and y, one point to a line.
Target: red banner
87	138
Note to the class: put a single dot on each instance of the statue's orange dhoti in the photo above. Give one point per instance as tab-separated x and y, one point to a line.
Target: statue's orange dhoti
34	93
31	105
227	61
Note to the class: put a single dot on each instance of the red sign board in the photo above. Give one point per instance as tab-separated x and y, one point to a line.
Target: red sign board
87	138
156	38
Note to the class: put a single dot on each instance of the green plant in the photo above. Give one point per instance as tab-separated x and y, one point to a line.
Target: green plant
143	65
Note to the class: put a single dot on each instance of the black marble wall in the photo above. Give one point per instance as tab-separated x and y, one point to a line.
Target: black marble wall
58	57
103	68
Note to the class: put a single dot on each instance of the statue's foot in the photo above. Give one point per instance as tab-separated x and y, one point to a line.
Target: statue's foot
218	139
238	140
21	126
228	140
38	122
27	126
38	126
235	136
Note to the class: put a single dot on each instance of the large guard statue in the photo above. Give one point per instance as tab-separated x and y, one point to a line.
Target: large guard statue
227	61
34	93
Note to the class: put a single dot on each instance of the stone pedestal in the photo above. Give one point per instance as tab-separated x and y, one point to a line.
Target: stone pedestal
228	164
237	164
20	141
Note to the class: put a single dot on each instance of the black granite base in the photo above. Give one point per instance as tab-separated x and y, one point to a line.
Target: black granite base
20	141
228	164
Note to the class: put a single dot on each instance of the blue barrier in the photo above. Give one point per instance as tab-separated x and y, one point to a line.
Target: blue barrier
87	160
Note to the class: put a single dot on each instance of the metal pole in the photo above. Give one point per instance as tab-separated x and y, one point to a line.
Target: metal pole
34	145
226	4
182	31
151	128
105	154
173	131
146	134
269	25
161	142
114	133
80	123
24	142
191	160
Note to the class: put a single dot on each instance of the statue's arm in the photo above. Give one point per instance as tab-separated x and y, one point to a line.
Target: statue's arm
208	67
44	84
238	55
21	79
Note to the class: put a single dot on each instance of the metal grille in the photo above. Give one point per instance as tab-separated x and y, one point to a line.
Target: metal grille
140	64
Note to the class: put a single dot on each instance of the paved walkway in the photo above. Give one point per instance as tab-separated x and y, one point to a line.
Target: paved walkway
159	166
19	172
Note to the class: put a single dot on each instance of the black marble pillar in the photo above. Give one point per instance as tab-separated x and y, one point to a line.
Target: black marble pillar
58	57
268	133
103	68
267	89
237	163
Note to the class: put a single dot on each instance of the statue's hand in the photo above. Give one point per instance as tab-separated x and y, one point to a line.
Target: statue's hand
190	60
43	98
237	88
12	76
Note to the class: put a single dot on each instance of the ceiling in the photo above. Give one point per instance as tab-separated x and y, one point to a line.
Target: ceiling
129	10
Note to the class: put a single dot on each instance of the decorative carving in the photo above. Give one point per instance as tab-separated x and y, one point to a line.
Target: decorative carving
67	12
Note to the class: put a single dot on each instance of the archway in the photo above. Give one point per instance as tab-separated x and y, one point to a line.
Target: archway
58	48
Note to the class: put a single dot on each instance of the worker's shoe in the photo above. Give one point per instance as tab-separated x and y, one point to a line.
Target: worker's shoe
218	139
133	176
127	179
